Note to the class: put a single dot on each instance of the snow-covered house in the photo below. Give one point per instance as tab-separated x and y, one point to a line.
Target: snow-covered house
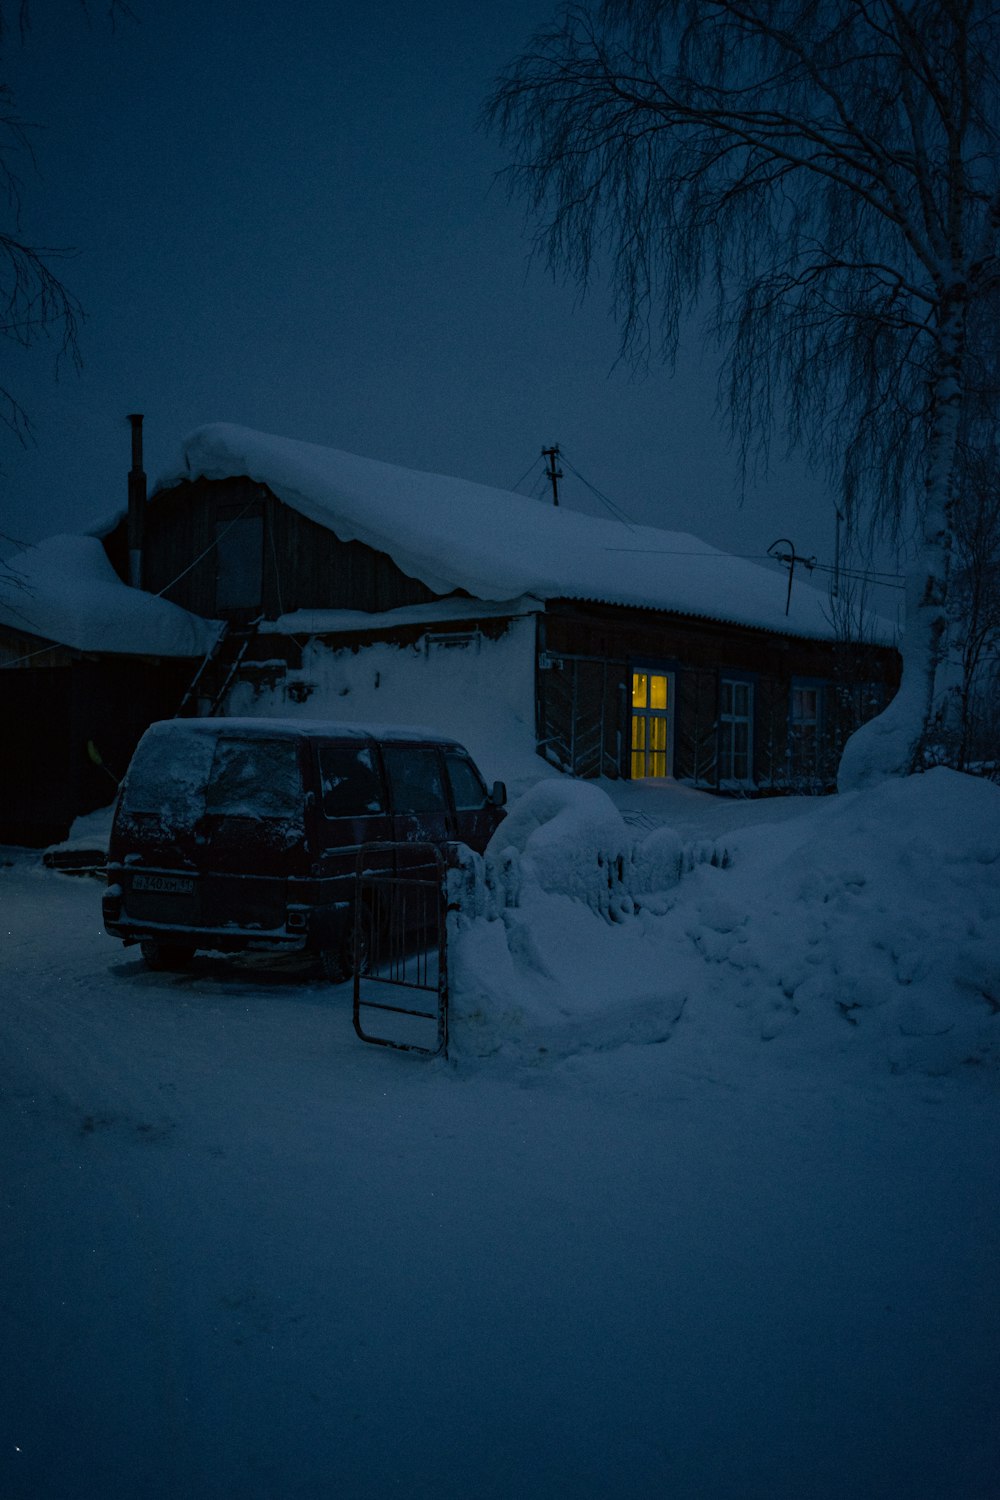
355	589
622	651
87	664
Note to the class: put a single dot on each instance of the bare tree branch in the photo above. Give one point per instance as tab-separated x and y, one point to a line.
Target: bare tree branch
35	303
828	172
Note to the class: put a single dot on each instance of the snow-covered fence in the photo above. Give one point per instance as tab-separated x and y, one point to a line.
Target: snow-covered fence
567	838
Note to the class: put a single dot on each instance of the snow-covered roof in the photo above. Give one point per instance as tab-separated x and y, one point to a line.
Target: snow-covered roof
348	621
452	533
64	589
247	726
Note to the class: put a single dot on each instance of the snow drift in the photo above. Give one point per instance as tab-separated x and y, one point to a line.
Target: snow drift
871	922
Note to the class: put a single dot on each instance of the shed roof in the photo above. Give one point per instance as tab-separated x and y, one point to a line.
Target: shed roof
452	533
65	590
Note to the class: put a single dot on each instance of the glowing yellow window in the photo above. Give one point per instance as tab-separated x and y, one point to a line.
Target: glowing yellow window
652	706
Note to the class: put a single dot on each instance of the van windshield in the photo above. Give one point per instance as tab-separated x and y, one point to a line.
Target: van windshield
179	777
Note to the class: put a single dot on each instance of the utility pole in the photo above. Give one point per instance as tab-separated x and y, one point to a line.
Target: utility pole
552	472
791	557
136	523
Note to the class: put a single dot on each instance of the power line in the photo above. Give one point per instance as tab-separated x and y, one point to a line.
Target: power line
709	556
185	571
615	510
878	577
858	574
524	476
537	485
56	645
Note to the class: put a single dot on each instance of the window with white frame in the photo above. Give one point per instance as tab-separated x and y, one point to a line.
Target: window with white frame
735	731
652	717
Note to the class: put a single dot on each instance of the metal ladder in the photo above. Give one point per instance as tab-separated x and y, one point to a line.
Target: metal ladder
225	637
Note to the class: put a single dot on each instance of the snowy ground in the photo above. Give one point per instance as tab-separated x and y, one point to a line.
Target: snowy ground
704	1205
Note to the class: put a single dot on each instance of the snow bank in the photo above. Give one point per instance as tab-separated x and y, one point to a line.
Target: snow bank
883	908
533	970
869	923
87	839
64	589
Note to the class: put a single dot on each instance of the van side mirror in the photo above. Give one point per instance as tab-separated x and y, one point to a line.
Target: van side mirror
498	796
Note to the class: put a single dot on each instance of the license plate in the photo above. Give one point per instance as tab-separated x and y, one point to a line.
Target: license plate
174	885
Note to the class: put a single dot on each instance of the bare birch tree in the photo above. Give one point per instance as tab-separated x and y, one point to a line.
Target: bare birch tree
974	720
828	170
35	303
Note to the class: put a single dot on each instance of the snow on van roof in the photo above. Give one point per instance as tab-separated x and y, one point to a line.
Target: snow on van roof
452	533
65	590
296	728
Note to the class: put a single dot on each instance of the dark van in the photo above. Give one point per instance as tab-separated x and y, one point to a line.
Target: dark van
235	834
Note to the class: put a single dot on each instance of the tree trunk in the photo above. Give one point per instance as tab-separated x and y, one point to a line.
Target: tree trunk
892	743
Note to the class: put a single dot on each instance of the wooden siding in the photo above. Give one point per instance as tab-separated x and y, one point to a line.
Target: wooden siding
18	650
47	777
588	652
695	726
303	565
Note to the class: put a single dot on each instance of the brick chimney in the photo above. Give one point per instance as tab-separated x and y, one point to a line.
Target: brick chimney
136	504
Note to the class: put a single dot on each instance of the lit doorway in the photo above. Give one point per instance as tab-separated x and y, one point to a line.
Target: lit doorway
652	724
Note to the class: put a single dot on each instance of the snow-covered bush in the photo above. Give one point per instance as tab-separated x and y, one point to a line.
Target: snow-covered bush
569	839
657	863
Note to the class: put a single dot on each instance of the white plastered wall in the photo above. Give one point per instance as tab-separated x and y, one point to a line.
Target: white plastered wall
481	693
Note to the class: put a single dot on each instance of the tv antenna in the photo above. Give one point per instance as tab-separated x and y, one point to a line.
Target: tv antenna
791	557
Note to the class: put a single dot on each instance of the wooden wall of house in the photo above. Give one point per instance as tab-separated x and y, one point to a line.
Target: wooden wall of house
47	776
303	565
695	738
21	651
599	645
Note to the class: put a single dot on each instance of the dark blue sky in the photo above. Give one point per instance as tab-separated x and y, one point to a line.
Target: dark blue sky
286	218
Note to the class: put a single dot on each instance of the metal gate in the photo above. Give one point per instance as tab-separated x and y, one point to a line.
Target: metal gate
401	947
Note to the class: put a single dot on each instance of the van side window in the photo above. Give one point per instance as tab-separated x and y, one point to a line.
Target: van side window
349	782
414	779
467	789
